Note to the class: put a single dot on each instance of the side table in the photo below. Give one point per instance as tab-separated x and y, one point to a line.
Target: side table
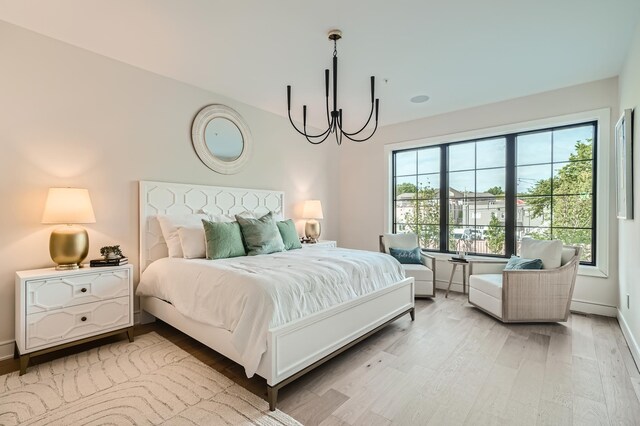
454	266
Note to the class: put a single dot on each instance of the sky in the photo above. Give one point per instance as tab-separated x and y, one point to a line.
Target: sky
535	153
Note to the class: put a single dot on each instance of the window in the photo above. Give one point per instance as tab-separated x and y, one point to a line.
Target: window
483	196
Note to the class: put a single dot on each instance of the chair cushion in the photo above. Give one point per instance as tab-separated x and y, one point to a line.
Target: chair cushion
401	241
486	302
418	272
549	251
490	284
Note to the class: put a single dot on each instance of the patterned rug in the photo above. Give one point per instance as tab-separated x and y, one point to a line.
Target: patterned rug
150	381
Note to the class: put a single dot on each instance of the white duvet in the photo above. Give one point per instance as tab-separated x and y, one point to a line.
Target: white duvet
251	294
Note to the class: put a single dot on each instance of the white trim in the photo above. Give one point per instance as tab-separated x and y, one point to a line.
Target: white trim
586	307
602	116
631	341
6	349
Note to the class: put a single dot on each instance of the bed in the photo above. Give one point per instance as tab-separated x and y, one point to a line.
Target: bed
294	341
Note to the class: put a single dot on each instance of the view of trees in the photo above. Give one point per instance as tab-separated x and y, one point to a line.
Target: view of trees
572	201
562	204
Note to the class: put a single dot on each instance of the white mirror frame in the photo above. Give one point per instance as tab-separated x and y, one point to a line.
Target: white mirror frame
203	118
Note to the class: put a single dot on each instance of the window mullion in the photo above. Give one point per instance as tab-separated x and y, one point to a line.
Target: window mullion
444	204
510	197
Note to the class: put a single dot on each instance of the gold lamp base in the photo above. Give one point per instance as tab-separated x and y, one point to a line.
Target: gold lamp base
69	246
312	230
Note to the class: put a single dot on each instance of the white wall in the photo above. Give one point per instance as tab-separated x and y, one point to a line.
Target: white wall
362	191
629	242
69	117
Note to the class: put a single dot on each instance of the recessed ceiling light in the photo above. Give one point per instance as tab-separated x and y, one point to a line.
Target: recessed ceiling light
419	99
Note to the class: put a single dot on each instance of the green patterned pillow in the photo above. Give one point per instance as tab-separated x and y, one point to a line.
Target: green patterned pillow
261	236
224	239
289	234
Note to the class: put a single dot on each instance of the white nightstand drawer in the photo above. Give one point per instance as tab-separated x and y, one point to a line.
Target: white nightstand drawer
71	323
59	292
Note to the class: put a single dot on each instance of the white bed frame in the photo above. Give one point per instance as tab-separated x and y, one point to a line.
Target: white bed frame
293	348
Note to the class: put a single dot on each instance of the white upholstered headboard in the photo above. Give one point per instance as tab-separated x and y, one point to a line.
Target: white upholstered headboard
179	198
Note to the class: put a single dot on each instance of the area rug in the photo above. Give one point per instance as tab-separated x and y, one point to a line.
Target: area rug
149	381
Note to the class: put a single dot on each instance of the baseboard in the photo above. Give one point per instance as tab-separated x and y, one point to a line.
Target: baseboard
631	341
585	307
6	349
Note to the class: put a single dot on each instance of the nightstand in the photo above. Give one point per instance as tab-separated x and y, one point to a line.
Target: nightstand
58	309
321	244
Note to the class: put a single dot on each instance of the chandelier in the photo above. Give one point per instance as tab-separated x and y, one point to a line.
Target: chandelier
334	117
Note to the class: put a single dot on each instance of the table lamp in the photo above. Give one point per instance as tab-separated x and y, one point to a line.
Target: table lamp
68	245
312	211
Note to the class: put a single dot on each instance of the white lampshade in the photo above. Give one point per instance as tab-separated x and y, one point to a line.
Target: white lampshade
312	210
68	205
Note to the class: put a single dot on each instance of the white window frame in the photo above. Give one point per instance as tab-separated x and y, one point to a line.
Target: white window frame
603	148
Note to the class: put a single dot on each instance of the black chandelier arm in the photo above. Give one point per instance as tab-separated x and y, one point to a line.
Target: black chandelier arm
309	138
358	140
303	133
362	128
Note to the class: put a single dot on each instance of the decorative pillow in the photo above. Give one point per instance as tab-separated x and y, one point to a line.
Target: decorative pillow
406	256
289	234
549	251
224	239
193	242
521	263
261	236
169	225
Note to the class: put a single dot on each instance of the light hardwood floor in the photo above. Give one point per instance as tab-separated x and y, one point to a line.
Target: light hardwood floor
456	365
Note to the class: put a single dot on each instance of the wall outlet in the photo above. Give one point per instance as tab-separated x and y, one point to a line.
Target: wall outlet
628	307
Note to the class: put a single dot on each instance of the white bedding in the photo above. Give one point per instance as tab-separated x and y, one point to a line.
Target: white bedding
251	294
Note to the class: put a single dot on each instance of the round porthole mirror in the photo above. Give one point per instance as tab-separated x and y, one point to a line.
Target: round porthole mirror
221	139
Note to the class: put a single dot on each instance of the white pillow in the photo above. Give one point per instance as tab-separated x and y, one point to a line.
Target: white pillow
549	251
170	224
193	242
231	218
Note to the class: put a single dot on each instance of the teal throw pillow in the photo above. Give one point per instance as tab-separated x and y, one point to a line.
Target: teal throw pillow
224	239
406	256
289	234
519	263
261	236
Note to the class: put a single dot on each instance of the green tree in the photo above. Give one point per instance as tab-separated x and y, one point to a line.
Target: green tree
571	211
406	188
423	216
495	235
496	190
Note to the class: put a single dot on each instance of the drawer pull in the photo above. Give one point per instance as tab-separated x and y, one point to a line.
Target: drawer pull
83	319
84	290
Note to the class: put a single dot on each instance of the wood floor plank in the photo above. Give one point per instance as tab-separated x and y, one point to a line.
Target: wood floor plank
554	414
582	334
622	402
587	412
317	409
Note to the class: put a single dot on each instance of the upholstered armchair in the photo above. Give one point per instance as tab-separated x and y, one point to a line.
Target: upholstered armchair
423	274
541	295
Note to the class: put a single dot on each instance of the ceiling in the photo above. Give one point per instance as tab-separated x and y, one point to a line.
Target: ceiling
461	53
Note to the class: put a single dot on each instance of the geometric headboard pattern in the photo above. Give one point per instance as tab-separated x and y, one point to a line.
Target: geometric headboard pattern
179	198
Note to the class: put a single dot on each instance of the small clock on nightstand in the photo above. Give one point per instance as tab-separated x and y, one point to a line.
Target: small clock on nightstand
321	244
57	309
